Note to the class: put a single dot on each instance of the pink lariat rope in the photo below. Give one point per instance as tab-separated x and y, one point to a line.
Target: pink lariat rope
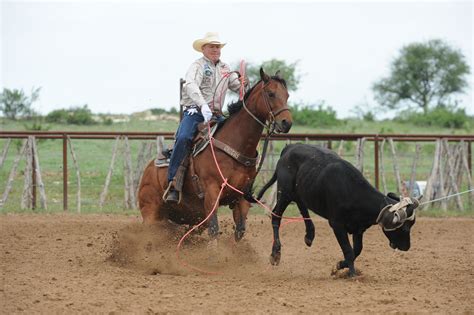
223	185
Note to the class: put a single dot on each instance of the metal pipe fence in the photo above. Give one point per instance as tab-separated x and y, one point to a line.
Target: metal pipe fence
94	151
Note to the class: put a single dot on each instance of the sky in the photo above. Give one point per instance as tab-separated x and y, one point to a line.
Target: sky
128	56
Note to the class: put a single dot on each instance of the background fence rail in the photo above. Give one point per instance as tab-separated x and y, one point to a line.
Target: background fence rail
350	146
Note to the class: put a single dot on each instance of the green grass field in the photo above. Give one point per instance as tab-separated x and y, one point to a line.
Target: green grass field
94	157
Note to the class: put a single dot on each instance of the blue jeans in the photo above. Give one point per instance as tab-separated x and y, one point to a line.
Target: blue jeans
184	136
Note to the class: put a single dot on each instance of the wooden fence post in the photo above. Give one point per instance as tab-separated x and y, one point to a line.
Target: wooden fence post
395	165
376	161
64	172
141	161
382	169
340	149
360	154
465	167
442	191
4	152
9	184
413	169
103	194
452	178
78	175
39	179
27	196
130	200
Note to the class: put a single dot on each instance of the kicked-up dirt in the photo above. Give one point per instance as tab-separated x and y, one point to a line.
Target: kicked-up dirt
108	263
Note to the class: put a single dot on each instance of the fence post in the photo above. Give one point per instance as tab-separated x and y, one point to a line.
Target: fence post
469	156
33	177
65	172
376	160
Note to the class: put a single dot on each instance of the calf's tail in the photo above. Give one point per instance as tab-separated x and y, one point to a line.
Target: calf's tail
267	185
248	193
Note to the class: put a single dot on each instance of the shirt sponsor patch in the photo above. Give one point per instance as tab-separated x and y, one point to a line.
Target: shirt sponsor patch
207	71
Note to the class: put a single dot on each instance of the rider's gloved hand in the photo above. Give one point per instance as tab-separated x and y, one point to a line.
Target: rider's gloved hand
206	112
192	111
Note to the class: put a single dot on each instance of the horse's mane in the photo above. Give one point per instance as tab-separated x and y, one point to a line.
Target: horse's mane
237	106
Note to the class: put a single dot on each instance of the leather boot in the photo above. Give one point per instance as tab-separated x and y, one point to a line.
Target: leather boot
172	196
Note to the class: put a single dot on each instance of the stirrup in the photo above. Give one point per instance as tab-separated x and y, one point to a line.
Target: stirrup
167	197
173	196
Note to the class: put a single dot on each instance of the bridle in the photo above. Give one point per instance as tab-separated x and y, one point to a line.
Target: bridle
270	127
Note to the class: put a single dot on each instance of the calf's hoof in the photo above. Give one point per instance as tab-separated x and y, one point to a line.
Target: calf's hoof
337	267
351	274
275	259
341	272
308	241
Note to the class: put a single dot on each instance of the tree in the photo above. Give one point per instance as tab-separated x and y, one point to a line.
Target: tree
424	74
14	103
287	71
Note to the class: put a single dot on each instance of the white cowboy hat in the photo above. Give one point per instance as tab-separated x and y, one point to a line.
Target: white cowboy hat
209	38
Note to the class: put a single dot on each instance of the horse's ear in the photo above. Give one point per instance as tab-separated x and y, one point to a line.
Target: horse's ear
277	74
264	76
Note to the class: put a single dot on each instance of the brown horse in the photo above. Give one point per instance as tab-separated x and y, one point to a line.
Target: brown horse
265	102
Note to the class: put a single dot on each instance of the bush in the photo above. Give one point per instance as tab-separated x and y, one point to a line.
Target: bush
58	116
441	116
81	116
76	116
314	115
107	121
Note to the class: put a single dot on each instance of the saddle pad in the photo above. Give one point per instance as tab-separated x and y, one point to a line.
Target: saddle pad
162	163
201	145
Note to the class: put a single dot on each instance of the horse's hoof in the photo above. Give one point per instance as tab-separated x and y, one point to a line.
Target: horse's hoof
239	235
275	259
308	241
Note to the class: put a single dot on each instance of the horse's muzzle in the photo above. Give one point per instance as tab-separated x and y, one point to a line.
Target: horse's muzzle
283	126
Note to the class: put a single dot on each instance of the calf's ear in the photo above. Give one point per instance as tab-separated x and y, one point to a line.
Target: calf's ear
393	196
411	208
416	201
387	219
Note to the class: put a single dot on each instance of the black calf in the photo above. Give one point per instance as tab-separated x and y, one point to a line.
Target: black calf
318	179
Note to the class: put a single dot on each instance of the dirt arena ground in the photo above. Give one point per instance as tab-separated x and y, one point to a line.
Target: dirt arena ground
112	264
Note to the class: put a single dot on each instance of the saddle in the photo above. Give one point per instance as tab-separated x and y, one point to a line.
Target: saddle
200	141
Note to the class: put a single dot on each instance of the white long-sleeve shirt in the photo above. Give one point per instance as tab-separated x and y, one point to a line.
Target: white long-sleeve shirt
202	80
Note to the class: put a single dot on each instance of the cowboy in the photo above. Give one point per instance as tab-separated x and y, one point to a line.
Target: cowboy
207	81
